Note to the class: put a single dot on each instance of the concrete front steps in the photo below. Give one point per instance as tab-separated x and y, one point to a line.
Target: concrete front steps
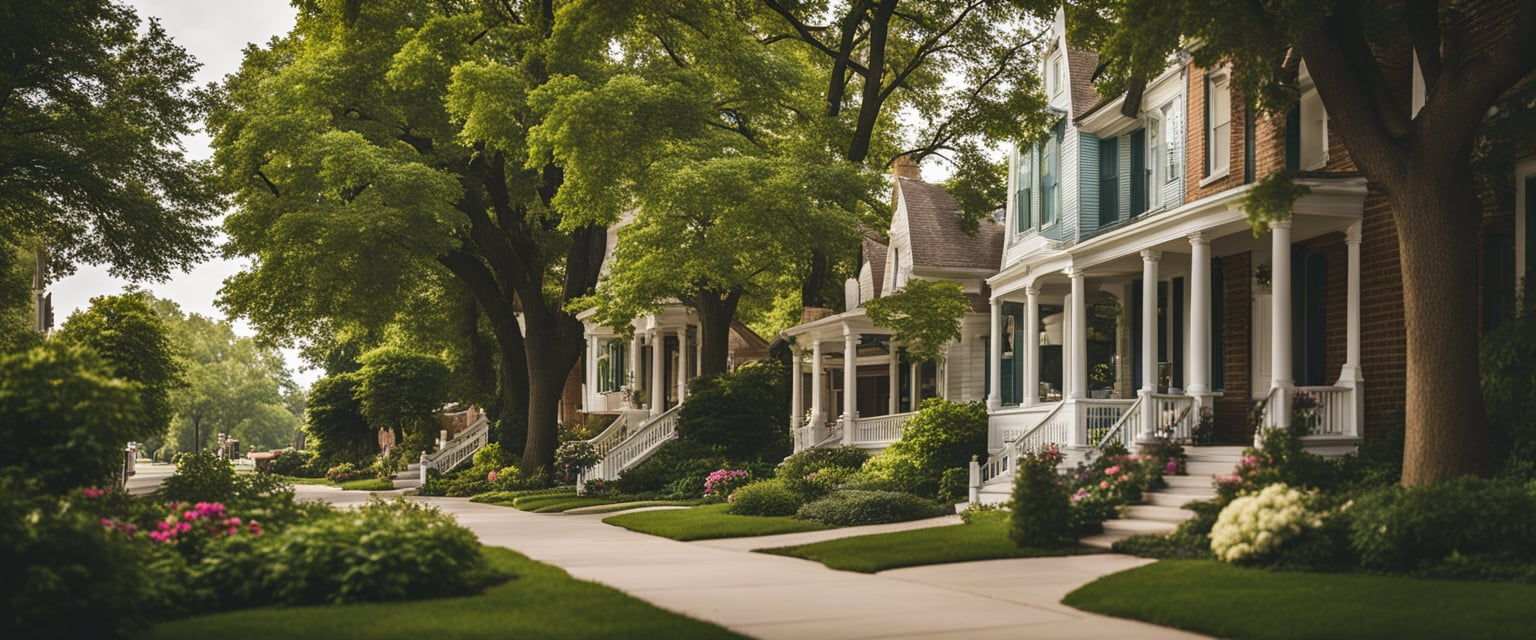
1164	510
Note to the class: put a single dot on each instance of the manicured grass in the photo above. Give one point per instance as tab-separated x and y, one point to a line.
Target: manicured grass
540	602
369	484
1218	599
625	506
708	522
298	480
558	506
985	539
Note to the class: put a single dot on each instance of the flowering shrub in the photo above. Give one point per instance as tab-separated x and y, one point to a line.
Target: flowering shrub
1118	479
722	483
572	457
1255	526
346	472
1042	508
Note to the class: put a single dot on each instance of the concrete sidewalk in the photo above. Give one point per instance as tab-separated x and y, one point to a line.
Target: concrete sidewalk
778	597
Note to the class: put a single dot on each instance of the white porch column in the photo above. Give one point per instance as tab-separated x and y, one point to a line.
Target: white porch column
895	381
632	375
1281	376
682	363
1199	376
1031	347
590	393
1149	414
1078	366
1351	375
658	374
850	383
995	358
1149	260
818	419
796	391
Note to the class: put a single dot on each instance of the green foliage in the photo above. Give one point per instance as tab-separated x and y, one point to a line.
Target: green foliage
676	470
400	389
924	316
67	575
94	167
1509	378
1042	508
810	461
943	435
298	464
64	418
954	485
133	342
743	414
764	498
234	385
1272	199
851	508
334	417
382	551
1440	528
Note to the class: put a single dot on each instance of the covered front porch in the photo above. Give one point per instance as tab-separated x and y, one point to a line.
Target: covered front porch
862	387
1181	325
645	373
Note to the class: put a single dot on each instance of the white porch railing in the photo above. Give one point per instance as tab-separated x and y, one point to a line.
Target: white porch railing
1097	417
880	429
1014	423
614	434
1123	431
636	448
1173	416
1055	428
456	451
1332	413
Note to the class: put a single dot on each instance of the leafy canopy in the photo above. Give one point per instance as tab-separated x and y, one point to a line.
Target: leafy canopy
924	316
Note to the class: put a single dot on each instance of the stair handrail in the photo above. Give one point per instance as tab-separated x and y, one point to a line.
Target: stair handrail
636	448
457	450
614	434
1131	413
1004	461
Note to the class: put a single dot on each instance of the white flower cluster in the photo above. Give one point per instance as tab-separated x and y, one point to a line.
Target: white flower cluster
1260	523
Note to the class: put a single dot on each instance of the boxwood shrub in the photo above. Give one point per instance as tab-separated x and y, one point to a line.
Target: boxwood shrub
1430	528
853	508
764	498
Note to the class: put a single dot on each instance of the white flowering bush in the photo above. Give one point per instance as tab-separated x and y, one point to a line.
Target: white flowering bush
1256	525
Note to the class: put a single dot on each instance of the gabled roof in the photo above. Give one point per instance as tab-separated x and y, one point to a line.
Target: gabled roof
874	254
933	222
1081	64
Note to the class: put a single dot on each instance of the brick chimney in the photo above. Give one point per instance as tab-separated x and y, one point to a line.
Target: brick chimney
906	167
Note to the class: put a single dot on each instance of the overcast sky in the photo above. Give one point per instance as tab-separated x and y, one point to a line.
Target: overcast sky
214	32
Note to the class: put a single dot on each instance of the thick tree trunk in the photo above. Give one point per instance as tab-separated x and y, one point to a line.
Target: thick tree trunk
1447	430
512	397
550	358
715	314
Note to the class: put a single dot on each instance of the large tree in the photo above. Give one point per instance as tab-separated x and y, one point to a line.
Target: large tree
135	345
92	103
380	146
922	78
1471	54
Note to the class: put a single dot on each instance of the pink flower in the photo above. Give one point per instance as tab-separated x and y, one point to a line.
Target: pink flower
1173	467
490	477
106	523
232	530
1103	484
1125	478
183	527
93	493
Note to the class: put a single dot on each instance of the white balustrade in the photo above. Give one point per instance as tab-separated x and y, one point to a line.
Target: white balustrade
1099	416
1174	416
1056	428
613	435
1123	431
880	429
457	450
636	448
1330	414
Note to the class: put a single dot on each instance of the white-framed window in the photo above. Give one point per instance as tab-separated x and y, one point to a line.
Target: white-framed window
1172	168
1314	132
1057	77
1024	179
1218	123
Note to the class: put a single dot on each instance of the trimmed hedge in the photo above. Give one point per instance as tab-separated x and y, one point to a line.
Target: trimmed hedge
765	498
851	508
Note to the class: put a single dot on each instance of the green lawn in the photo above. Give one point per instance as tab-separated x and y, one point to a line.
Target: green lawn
634	504
985	539
541	602
369	484
708	522
298	480
1218	599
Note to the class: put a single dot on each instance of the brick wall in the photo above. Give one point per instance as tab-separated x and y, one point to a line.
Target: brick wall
1232	424
1383	345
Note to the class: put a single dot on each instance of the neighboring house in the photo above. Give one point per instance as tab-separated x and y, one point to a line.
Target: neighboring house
1144	213
637	380
865	403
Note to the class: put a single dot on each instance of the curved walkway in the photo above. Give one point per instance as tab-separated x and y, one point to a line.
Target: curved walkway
769	596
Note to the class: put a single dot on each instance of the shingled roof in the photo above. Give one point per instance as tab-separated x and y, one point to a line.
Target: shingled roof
933	221
1080	66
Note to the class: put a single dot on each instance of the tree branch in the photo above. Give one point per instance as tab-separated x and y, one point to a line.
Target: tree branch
1349	32
1423	19
806	33
927	48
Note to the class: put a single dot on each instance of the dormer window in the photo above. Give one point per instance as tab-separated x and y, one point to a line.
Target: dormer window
1056	78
